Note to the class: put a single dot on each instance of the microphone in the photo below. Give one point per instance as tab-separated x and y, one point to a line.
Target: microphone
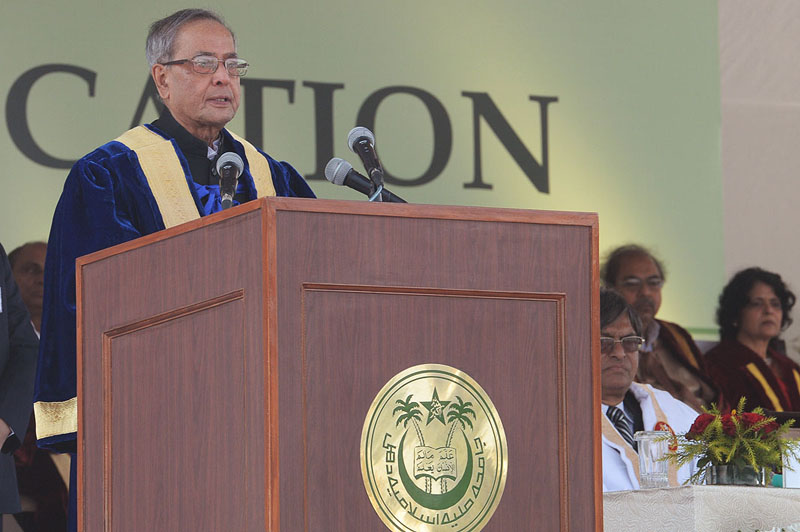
229	168
362	143
340	172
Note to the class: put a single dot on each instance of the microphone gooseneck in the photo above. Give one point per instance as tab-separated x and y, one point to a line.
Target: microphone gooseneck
340	172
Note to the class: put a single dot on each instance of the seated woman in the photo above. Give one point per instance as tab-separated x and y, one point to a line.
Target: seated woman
753	310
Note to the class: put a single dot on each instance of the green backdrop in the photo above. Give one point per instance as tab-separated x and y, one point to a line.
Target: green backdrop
633	136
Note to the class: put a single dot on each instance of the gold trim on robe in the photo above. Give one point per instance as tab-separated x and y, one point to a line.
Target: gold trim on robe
164	173
613	436
166	177
259	168
773	397
682	343
796	379
53	419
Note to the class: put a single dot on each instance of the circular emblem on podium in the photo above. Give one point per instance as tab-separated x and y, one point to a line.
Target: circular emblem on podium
434	455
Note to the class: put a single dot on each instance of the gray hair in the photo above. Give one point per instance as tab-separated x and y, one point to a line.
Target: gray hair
610	269
162	34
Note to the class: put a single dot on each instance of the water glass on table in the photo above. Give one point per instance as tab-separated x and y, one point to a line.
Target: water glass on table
653	446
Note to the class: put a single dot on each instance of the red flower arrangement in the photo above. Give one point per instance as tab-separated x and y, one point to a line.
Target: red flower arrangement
738	438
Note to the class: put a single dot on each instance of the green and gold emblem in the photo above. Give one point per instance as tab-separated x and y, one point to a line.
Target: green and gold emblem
433	452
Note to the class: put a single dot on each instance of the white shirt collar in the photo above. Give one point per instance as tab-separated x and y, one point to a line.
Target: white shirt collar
650	336
213	149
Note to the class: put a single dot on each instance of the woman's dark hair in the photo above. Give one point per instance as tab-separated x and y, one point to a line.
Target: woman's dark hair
612	305
735	296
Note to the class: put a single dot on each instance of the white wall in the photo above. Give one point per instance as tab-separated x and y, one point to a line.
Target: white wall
760	101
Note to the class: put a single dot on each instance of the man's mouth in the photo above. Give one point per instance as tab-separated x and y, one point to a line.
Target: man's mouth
644	304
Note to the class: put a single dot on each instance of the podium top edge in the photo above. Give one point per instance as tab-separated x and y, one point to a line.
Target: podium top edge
358	208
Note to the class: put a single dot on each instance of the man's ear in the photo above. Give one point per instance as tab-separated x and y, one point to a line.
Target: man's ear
159	73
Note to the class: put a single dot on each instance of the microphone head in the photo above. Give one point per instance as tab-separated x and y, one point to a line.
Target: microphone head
358	133
336	170
230	158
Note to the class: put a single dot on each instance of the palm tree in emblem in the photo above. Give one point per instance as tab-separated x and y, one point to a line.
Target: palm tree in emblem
410	412
457	414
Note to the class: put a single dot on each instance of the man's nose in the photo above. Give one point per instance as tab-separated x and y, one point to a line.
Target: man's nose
221	76
646	289
617	351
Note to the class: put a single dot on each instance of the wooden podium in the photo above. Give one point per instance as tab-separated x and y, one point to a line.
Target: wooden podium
225	366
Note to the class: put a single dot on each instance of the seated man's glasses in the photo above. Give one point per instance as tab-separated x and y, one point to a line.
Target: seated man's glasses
634	284
630	344
208	64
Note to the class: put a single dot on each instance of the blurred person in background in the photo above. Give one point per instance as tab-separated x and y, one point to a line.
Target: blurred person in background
669	358
42	476
18	349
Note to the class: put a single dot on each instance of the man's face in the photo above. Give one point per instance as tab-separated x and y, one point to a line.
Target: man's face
639	282
201	103
618	368
28	272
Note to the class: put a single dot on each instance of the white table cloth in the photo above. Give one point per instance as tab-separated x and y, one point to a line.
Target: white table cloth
701	509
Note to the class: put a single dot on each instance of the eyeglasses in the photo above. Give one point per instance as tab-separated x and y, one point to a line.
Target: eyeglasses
773	303
630	344
634	284
208	64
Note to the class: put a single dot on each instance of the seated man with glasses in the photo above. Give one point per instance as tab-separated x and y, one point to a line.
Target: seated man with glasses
627	406
150	178
670	359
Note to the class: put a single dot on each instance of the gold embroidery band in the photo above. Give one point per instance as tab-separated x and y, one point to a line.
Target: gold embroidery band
56	418
164	173
753	369
796	379
672	470
259	168
613	436
683	345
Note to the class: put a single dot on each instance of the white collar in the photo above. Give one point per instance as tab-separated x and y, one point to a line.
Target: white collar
213	149
650	336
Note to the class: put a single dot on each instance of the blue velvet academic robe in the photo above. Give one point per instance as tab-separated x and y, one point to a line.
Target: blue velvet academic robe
107	201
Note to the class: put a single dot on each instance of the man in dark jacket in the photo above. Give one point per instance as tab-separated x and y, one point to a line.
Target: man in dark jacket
669	359
18	351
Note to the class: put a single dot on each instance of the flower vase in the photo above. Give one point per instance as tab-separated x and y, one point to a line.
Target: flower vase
732	475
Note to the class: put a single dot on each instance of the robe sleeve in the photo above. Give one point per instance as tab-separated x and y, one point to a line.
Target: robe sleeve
17	371
287	181
89	216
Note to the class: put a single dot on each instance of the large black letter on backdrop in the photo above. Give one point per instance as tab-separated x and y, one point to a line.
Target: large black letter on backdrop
17	103
150	93
323	127
483	106
442	131
254	108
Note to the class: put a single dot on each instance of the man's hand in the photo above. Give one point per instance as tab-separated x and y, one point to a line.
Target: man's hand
5	431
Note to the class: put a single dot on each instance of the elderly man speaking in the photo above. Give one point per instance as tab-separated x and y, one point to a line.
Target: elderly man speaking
627	406
149	178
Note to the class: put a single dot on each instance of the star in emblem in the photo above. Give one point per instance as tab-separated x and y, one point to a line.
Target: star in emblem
435	408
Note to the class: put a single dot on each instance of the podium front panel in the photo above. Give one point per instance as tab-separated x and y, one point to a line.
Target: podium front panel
226	366
508	300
